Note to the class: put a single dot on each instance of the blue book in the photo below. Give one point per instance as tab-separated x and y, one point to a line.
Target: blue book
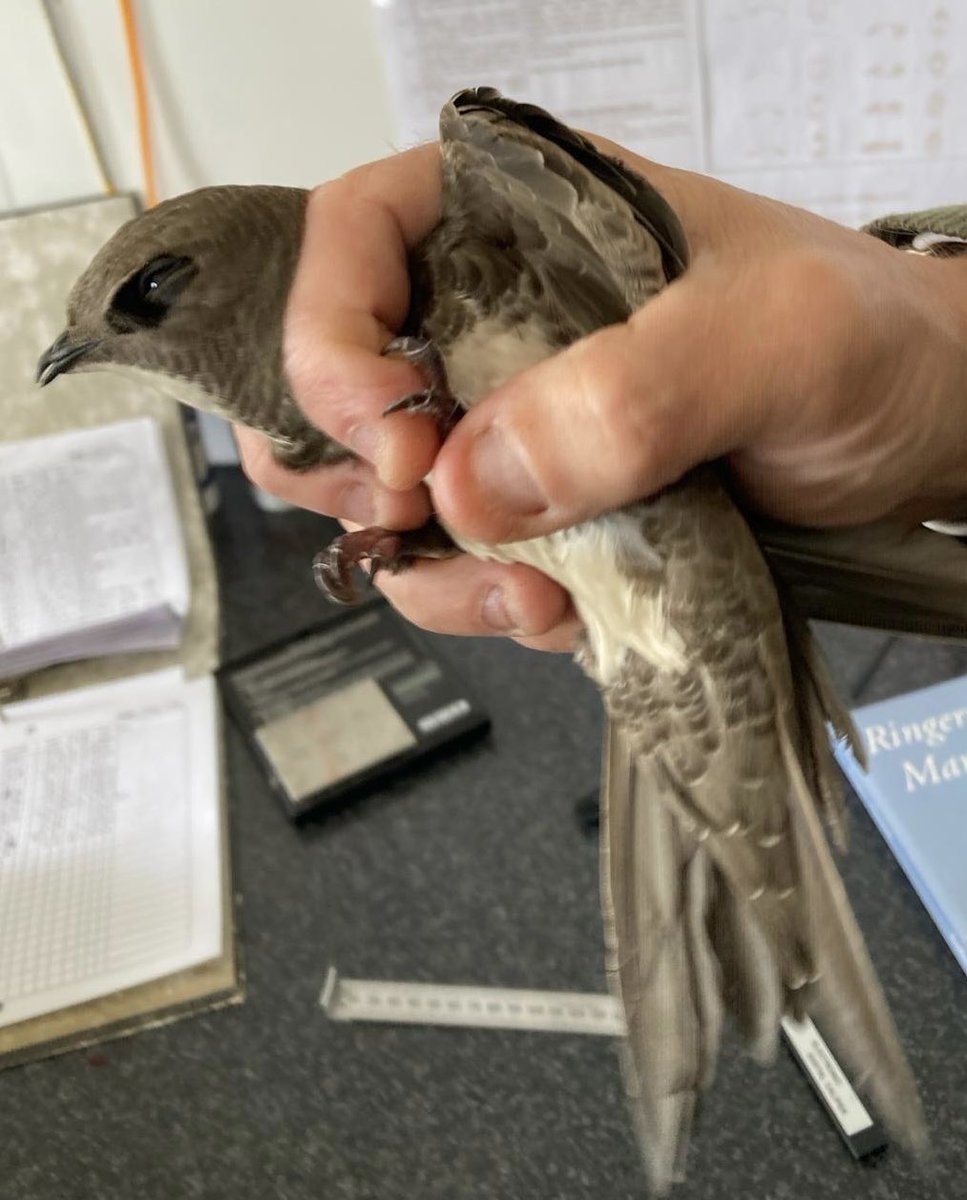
915	789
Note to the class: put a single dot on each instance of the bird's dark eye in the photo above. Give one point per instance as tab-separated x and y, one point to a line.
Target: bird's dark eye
145	298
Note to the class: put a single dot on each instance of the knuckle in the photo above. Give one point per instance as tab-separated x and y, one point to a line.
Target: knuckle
319	376
364	185
344	189
816	317
358	183
632	416
301	363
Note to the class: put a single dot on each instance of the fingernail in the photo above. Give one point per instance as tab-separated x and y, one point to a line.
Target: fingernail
356	504
365	440
494	610
500	468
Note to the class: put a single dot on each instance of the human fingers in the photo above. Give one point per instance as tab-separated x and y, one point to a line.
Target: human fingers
463	595
618	415
349	490
349	295
469	596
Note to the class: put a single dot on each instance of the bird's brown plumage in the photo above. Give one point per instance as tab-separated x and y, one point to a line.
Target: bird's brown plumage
720	895
242	244
719	891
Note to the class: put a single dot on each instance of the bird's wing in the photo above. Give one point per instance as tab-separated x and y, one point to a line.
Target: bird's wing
482	117
535	227
585	241
884	575
720	891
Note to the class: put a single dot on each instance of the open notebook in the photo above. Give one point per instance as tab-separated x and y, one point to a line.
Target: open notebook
115	901
115	892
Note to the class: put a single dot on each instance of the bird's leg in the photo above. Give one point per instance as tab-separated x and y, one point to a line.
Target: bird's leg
394	550
391	550
436	399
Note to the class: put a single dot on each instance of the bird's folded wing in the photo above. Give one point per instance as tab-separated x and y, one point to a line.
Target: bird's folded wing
882	575
659	959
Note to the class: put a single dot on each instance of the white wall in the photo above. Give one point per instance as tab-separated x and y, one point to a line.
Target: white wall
241	91
287	91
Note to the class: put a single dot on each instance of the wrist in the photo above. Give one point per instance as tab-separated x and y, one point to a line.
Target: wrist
945	283
948	276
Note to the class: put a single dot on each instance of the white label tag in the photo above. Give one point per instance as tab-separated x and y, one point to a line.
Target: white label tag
817	1060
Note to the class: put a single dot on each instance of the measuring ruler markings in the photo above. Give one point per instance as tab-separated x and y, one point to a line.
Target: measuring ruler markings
472	1007
399	1002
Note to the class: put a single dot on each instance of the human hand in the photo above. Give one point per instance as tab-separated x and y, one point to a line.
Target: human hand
829	369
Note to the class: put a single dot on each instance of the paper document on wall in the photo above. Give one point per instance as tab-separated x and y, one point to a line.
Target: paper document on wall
110	841
619	67
850	107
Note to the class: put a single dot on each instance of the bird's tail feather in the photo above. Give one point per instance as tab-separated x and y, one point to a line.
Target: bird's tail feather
684	947
845	998
820	709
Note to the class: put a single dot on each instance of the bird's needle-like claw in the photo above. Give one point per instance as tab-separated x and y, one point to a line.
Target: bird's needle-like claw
427	401
421	352
436	399
384	549
334	567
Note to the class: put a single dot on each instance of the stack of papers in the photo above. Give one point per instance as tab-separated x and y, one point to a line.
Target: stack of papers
93	555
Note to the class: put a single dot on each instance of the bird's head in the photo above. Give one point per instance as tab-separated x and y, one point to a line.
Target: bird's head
193	290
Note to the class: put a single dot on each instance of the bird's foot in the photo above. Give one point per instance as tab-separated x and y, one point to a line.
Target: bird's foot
436	399
389	550
334	567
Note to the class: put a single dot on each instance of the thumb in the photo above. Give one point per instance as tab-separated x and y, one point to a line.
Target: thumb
611	419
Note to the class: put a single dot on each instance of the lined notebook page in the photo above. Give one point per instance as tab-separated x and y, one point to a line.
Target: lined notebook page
110	854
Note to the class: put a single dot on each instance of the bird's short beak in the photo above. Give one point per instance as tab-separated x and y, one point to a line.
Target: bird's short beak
61	355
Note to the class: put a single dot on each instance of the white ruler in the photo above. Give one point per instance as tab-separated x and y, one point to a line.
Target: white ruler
473	1007
398	1002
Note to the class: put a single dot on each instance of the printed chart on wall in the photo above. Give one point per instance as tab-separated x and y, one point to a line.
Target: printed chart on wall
849	107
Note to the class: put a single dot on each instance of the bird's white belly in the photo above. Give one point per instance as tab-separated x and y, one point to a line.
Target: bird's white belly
490	352
615	580
613	575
